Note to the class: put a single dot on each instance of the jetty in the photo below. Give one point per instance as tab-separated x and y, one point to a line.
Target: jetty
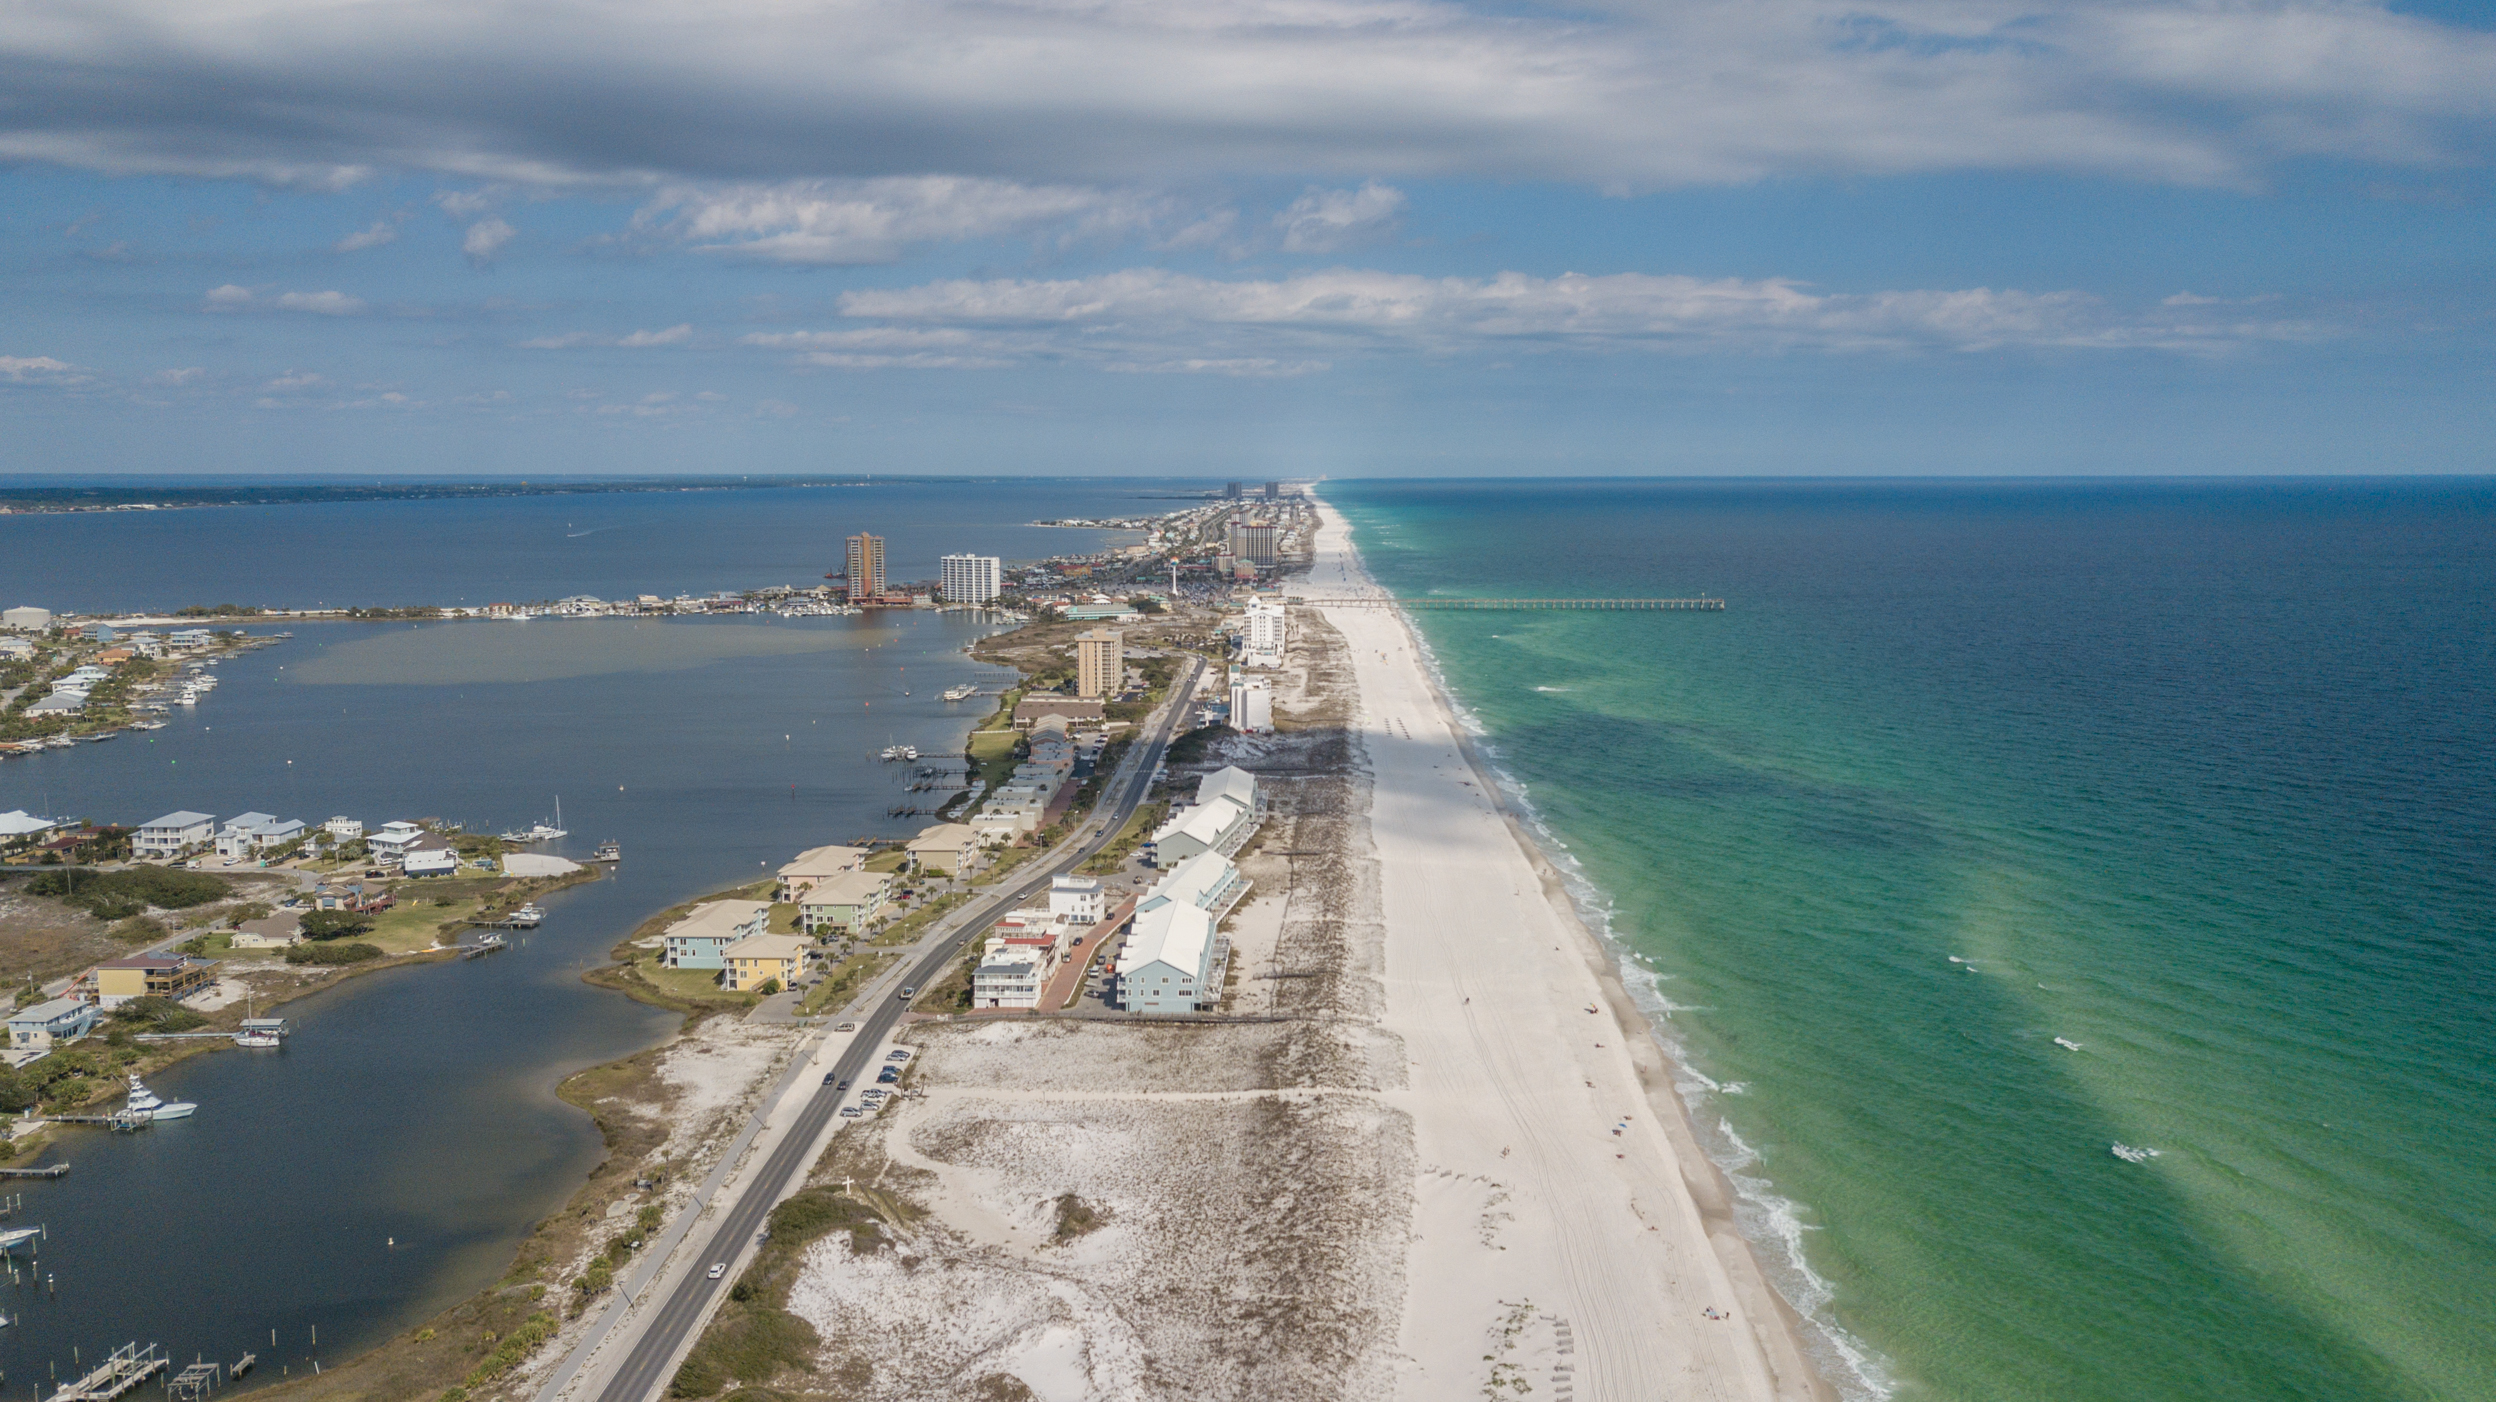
119	1122
56	1170
1701	604
127	1367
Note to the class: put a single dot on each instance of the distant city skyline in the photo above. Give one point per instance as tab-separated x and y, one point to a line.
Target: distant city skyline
1345	238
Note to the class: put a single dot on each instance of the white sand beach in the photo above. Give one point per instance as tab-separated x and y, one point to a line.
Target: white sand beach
1565	1221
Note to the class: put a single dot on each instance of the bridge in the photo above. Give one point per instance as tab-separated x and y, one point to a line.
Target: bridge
1381	601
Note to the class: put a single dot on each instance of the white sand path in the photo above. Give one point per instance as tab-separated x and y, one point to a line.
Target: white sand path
1520	1071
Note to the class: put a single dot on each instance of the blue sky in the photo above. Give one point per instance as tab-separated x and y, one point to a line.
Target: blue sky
1261	237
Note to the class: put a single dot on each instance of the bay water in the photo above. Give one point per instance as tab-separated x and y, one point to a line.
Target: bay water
389	1159
2195	775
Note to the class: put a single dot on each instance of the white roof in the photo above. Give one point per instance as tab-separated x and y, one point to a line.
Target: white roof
847	888
19	822
248	821
768	947
1196	881
51	1011
1178	935
1230	782
825	861
944	835
184	819
1206	822
717	919
1068	881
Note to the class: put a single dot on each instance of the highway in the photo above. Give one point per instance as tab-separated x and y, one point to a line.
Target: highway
661	1335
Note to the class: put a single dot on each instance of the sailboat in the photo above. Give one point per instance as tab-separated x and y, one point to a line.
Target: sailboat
544	831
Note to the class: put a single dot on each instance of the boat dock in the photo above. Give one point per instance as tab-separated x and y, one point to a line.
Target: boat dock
196	1381
128	1367
120	1121
56	1170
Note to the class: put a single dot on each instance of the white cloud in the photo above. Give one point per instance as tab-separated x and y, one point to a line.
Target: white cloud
234	298
1151	320
41	370
1116	92
1322	221
836	222
380	233
175	378
464	204
296	381
571	340
486	238
324	303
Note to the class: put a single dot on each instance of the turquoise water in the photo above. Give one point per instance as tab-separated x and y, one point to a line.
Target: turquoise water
2194	775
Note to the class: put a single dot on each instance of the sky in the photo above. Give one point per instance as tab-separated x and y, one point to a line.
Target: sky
1248	237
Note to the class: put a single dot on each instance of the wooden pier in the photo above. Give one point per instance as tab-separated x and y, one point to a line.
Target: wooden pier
129	1366
196	1381
1698	605
57	1170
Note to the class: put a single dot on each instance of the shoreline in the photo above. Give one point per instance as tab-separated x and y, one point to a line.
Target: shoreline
1779	1362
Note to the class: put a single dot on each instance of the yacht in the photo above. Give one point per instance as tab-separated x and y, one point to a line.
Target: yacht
543	831
893	752
2066	1044
258	1039
187	696
964	692
528	916
146	1102
608	852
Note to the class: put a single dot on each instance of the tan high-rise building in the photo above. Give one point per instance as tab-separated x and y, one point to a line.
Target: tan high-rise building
866	565
1100	663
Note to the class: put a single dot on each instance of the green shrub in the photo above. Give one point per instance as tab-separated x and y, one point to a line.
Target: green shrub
332	953
514	1350
157	1015
118	895
334	924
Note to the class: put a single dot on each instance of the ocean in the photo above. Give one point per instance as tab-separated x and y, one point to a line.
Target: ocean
2195	775
386	1163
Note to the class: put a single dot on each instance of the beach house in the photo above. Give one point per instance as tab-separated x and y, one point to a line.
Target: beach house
1077	900
1168	963
759	959
817	864
429	855
173	834
701	939
947	849
53	1023
844	903
248	834
117	981
1008	976
392	839
1224	816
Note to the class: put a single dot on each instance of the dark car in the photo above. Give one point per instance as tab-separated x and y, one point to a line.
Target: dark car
829	1077
890	1075
910	992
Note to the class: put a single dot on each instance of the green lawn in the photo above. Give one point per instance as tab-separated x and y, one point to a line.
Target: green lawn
784	919
846	978
889	860
691	985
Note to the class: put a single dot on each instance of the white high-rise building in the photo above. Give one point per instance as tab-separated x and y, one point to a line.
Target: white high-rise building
1261	634
972	579
1252	706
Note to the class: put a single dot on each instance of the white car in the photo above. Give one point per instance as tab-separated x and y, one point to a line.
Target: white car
718	1269
899	1054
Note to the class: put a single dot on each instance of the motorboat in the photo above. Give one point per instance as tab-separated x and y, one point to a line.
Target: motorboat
258	1039
964	692
2066	1044
2132	1154
528	916
146	1102
608	852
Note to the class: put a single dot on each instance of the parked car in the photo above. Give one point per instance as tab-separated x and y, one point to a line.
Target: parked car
899	1054
888	1076
846	1027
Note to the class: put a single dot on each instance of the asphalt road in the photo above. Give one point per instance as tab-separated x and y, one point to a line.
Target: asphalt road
661	1334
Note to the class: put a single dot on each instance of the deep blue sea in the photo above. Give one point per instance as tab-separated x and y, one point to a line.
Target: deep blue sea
2195	775
418	1105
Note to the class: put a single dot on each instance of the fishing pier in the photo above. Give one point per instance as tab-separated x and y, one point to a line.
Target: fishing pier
129	1366
1701	604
